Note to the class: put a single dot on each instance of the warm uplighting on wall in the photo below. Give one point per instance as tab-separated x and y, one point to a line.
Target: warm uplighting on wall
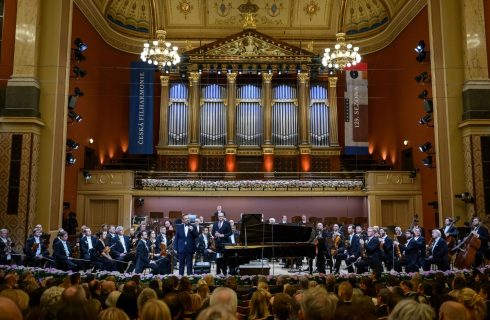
124	146
371	149
90	140
384	155
405	142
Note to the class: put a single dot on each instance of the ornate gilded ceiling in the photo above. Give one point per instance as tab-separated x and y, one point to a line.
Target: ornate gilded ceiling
309	24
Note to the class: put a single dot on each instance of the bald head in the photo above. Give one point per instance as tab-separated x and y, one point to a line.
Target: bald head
9	310
74	294
452	310
223	296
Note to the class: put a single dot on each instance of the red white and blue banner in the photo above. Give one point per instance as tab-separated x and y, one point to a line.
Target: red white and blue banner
141	108
356	110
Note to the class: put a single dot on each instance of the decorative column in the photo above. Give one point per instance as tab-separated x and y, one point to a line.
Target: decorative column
333	126
267	147
164	103
231	147
193	147
304	122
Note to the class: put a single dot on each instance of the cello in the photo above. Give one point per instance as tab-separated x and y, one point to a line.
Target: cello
466	250
451	239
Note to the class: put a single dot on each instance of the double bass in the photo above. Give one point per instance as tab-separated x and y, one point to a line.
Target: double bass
466	250
451	239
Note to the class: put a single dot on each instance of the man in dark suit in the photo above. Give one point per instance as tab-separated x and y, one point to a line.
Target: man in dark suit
36	252
121	249
386	245
205	246
449	229
419	238
143	256
88	247
372	250
410	252
185	244
438	252
62	253
351	251
481	233
221	233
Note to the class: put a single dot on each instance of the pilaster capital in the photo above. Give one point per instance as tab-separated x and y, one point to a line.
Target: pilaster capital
332	81
267	77
303	77
194	77
231	77
164	81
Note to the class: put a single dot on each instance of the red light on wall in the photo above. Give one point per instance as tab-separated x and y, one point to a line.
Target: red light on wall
124	146
268	162
230	163
371	149
305	160
384	154
193	162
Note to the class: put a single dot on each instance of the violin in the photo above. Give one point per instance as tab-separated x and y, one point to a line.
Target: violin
163	249
34	247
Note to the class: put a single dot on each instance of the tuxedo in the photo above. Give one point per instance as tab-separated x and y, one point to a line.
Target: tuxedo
216	215
421	245
143	259
449	231
387	252
85	252
349	253
185	245
204	247
34	258
438	255
483	236
224	228
410	252
61	254
372	259
118	247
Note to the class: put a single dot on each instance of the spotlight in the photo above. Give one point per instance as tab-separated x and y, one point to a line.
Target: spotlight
466	197
72	99
421	52
421	57
279	69
428	106
72	144
425	147
81	46
420	47
425	119
229	68
269	69
422	77
182	74
87	175
79	73
331	71
219	68
287	69
199	68
167	69
139	202
298	68
423	94
259	70
427	161
78	92
90	140
78	56
70	159
240	69
74	117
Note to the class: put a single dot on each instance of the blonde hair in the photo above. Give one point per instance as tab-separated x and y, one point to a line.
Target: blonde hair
259	307
409	309
203	289
145	295
113	313
196	302
155	309
18	296
473	302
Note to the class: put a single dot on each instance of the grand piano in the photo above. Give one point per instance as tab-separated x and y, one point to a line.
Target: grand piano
259	240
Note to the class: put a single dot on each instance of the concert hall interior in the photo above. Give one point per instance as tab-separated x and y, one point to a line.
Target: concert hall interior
250	116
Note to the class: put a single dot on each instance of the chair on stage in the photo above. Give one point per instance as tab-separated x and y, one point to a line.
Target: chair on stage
175	214
156	216
329	221
296	219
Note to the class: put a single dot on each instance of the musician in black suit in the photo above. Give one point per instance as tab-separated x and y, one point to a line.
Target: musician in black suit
372	254
221	233
185	244
410	252
205	246
143	258
351	250
121	249
36	251
481	233
449	228
162	236
62	253
438	253
88	249
386	245
319	237
419	238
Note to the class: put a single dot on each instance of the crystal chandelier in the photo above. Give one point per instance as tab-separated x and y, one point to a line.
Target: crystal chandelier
160	52
344	55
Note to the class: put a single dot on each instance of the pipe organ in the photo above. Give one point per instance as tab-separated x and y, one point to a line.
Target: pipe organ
275	120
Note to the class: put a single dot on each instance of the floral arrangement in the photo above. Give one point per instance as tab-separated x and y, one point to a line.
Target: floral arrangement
242	280
255	184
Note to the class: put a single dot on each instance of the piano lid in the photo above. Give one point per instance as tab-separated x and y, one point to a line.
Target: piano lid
276	233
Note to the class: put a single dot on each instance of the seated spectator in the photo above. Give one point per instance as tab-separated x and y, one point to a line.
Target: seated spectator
203	289
452	310
9	310
145	295
345	292
282	306
224	297
113	314
155	309
216	313
317	304
174	305
473	303
259	306
409	309
18	296
111	300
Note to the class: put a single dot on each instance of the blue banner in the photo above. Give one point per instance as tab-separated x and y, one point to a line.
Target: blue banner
141	108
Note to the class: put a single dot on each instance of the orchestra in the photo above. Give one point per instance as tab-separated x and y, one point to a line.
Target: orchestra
151	246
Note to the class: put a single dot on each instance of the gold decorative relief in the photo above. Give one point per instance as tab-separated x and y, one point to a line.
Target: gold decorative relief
249	20
311	9
249	46
184	7
223	9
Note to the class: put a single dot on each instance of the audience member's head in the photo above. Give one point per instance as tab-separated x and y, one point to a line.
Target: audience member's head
108	286
113	314
174	305
155	309
409	309
145	295
282	306
259	308
9	310
452	310
111	300
473	303
317	304
18	296
74	294
345	291
216	313
224	297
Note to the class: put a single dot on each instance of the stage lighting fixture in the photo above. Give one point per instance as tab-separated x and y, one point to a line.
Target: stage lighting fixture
81	46
182	74
229	68
423	94
425	119
420	46
70	159
250	68
287	69
72	144
427	161
279	69
167	69
428	106
298	68
331	71
199	68
425	147
259	70
219	68
87	175
72	99
240	69
78	56
421	52
79	73
413	173
422	77
74	116
78	92
269	69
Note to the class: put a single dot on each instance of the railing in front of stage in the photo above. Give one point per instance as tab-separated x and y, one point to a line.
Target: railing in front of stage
283	181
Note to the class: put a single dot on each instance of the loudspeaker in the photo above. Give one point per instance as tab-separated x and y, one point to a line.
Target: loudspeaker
202	267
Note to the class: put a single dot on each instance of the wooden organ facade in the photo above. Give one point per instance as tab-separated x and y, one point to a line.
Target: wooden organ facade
248	103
